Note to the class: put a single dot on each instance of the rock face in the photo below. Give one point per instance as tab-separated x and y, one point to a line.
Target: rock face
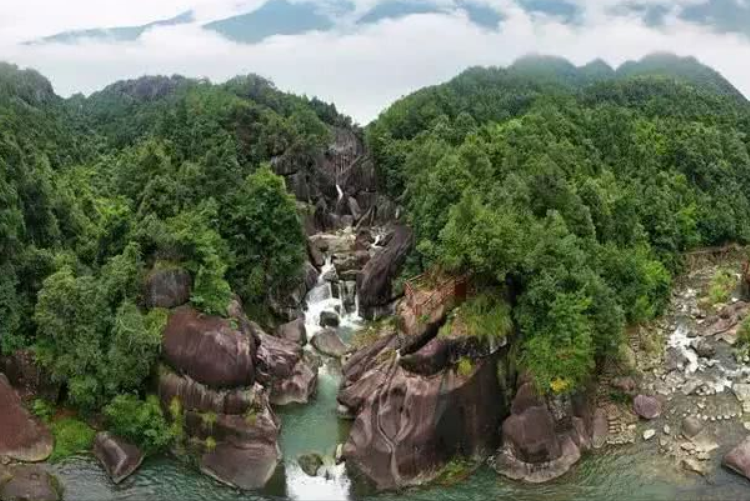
542	439
374	283
29	378
647	407
209	349
293	331
28	483
119	457
329	343
408	425
167	288
283	370
738	459
22	437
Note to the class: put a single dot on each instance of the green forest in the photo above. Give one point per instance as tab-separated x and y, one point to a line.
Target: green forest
570	192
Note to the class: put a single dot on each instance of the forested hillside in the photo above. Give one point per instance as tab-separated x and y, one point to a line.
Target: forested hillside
146	175
571	190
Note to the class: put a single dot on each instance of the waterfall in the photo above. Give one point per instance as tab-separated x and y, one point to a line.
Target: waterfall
339	191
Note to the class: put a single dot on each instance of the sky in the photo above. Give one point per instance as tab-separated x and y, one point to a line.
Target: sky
363	68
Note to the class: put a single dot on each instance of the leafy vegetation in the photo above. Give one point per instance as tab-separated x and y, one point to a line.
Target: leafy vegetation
140	421
72	436
721	286
572	191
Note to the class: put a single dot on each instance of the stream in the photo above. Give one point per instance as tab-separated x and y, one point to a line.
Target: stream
634	472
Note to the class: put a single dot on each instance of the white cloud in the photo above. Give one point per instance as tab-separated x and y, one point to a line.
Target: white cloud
361	69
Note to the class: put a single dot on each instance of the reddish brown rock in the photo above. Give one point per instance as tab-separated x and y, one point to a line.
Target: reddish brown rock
209	349
29	378
410	425
196	396
22	437
647	407
282	369
167	288
293	331
119	457
738	459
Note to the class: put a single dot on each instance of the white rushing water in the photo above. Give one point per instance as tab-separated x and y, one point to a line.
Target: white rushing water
331	483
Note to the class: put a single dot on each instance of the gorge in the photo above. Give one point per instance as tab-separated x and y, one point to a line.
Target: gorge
525	283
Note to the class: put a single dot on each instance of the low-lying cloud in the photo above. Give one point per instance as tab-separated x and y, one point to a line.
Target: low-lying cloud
362	68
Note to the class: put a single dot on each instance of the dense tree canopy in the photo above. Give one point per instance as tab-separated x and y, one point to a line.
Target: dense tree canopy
576	189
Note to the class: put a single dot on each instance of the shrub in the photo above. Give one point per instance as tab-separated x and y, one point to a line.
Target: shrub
72	436
43	409
721	286
139	421
465	367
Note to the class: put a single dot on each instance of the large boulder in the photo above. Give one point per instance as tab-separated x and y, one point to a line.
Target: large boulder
408	425
167	288
28	483
211	350
245	452
22	437
293	331
542	438
374	283
199	397
119	457
738	459
283	370
28	377
647	407
329	343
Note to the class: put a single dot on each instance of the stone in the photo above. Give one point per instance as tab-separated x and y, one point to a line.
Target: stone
649	434
339	454
119	457
167	288
293	331
374	283
626	385
329	343
647	407
22	436
738	459
29	378
315	255
667	430
28	483
742	392
209	349
675	359
694	466
310	463
329	319
703	348
282	369
600	429
691	426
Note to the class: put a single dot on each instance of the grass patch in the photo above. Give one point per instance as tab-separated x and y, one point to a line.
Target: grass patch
72	436
721	286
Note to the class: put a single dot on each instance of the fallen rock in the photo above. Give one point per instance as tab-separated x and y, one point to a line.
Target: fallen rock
28	483
649	434
209	349
675	359
647	407
691	426
294	331
703	348
742	392
22	436
694	465
310	463
738	459
282	369
329	343
329	319
119	457
167	288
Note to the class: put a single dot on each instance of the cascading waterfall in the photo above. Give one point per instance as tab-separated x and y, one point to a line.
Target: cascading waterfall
332	483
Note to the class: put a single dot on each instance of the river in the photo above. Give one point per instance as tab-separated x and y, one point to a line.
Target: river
632	472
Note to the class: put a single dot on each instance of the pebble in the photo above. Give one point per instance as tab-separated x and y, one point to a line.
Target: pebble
746	425
649	434
667	429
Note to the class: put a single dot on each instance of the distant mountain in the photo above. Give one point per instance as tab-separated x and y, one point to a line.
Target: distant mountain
118	34
684	69
275	17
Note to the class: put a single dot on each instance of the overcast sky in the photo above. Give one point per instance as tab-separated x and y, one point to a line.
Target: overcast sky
360	68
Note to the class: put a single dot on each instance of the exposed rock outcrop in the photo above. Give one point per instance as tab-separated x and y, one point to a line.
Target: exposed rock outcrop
283	370
542	438
22	437
374	283
28	483
119	457
209	349
409	425
738	459
293	331
167	288
28	377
